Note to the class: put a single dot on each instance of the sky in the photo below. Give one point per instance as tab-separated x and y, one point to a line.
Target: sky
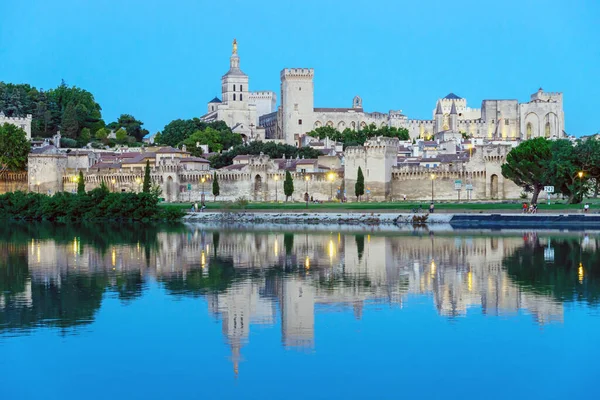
162	60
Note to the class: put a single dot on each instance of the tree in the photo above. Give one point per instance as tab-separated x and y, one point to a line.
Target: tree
288	185
80	183
147	179
273	150
359	186
527	165
121	135
132	126
564	169
101	134
215	186
69	122
14	148
85	136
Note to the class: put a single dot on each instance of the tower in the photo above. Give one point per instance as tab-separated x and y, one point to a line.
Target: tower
297	103
453	118
439	118
234	84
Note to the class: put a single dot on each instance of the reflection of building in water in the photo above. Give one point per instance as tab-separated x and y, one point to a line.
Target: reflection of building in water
329	271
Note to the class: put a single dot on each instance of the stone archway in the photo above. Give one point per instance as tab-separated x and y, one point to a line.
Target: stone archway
257	188
494	186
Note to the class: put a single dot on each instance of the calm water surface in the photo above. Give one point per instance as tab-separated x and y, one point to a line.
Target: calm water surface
107	312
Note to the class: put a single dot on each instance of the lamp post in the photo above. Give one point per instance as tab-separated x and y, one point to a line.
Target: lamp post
580	175
306	178
276	179
331	177
202	180
432	179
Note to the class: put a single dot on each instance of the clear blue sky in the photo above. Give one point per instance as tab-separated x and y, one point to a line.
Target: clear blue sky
161	60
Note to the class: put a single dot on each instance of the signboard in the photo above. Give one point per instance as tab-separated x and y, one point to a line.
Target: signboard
549	189
189	186
469	186
457	184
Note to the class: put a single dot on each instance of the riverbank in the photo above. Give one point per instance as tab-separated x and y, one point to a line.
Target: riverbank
455	220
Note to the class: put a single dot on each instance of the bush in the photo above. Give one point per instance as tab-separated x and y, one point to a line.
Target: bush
170	213
94	205
68	143
241	202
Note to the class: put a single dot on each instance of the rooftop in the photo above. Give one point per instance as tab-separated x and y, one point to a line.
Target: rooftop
452	96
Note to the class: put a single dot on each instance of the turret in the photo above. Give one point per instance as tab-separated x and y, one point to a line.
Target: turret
453	118
439	118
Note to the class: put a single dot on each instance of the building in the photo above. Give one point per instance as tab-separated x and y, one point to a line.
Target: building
238	107
21	122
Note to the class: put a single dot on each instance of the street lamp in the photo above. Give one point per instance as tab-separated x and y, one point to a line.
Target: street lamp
202	180
580	175
113	181
306	178
276	179
432	179
331	177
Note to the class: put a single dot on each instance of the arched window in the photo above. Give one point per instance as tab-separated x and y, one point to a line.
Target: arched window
234	97
529	129
234	89
240	97
547	130
241	88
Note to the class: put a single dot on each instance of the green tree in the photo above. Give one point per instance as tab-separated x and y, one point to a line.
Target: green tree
85	136
273	150
564	170
121	135
132	126
288	185
527	165
215	186
69	122
359	186
147	179
80	183
14	148
101	134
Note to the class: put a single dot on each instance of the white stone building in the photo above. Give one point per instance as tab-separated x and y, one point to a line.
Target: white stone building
239	108
21	122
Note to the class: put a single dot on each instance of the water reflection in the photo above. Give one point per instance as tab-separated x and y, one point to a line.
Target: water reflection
58	276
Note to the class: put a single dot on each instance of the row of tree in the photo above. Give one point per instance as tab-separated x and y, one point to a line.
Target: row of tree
573	169
351	137
71	110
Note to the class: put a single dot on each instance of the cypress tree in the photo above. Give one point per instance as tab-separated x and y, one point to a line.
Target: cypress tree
359	187
147	179
80	184
215	186
288	185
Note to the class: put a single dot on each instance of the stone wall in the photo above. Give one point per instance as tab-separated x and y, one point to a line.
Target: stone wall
13	182
46	172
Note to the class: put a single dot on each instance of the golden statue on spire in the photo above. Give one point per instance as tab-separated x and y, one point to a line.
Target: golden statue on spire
234	46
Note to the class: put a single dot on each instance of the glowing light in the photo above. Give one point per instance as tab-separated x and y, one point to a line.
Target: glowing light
331	176
470	281
433	267
75	246
307	178
307	263
580	272
432	176
331	249
113	258
276	177
368	238
276	248
580	174
202	259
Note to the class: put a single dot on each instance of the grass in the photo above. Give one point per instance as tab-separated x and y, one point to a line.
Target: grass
383	206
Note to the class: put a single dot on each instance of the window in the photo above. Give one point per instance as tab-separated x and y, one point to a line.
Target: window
240	97
299	122
234	88
234	97
300	89
241	88
506	121
296	107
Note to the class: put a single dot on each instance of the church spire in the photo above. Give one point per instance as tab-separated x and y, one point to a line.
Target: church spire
453	109
438	110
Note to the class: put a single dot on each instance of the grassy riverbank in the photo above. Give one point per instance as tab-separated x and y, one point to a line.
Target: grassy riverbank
386	207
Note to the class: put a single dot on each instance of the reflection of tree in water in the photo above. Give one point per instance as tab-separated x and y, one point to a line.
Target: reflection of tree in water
573	275
197	282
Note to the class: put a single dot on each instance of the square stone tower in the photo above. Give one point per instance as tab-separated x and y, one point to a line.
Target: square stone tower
297	103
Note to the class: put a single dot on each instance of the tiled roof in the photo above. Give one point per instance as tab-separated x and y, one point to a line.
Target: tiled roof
194	159
215	100
452	96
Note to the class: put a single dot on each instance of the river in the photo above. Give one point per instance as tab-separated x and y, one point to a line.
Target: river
190	311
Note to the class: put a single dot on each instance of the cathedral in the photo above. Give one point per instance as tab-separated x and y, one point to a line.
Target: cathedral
253	114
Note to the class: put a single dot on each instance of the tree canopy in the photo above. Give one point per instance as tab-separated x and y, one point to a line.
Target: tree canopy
176	131
351	137
359	186
14	148
217	140
273	150
288	185
527	165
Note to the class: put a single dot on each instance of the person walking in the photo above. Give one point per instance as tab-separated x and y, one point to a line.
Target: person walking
525	207
404	197
196	207
586	208
431	208
203	206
